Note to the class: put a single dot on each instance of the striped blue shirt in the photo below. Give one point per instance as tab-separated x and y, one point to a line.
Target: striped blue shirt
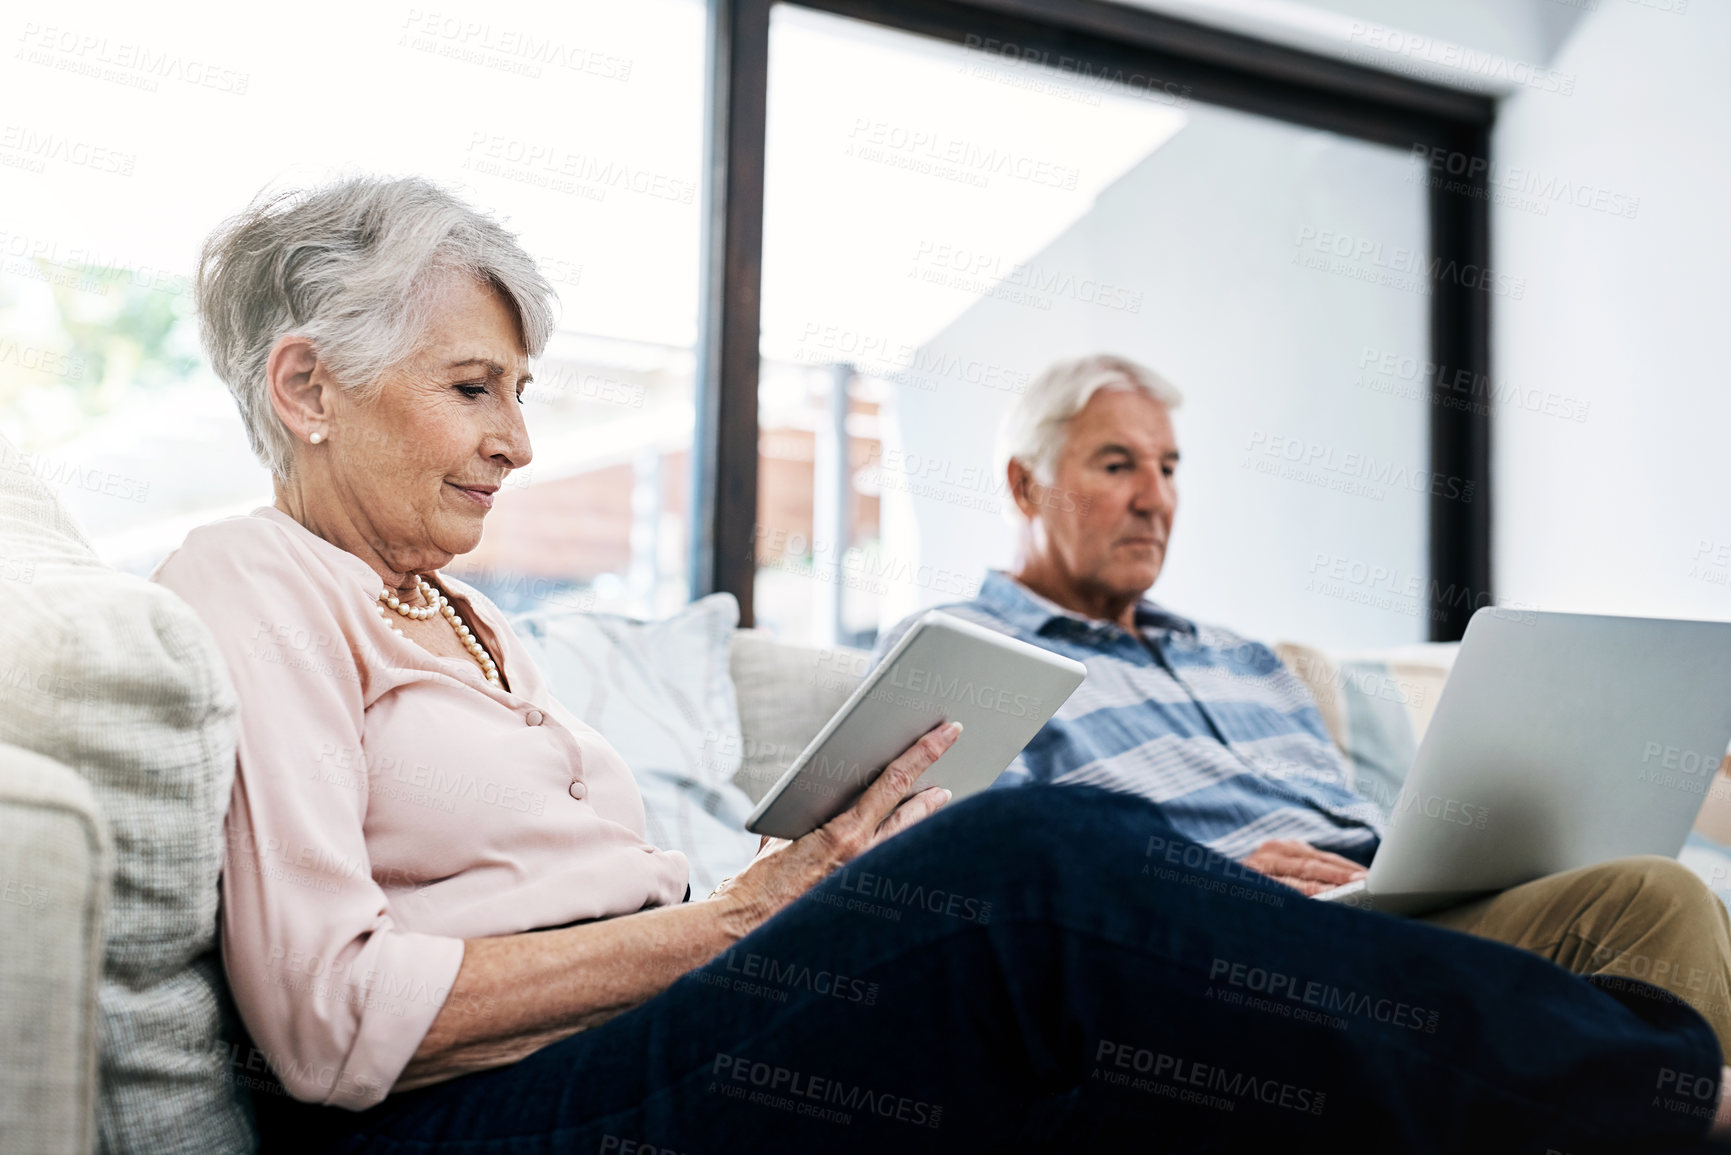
1212	727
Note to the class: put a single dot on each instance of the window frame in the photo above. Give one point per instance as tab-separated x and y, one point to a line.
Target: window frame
1217	67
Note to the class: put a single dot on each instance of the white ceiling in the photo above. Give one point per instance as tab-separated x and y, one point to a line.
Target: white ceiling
1510	31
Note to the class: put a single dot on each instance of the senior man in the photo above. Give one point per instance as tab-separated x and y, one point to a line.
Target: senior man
1217	732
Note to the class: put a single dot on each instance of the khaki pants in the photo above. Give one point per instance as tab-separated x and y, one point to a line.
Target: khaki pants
1645	917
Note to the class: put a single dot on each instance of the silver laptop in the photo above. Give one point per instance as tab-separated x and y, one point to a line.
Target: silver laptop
1559	741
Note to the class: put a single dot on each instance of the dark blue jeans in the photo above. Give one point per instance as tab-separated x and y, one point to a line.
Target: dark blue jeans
1055	969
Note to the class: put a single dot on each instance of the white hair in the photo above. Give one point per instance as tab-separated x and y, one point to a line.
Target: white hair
1034	430
351	267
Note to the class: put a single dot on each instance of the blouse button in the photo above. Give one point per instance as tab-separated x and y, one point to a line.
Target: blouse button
533	717
579	790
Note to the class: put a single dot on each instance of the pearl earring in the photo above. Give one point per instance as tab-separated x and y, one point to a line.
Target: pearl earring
316	438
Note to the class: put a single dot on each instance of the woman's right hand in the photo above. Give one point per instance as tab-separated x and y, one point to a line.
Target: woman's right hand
783	870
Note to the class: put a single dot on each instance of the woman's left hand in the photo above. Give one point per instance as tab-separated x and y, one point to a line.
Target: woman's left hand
783	869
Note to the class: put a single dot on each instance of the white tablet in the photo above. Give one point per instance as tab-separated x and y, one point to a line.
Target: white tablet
942	670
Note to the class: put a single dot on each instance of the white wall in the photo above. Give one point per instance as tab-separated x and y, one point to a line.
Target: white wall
1212	231
1630	315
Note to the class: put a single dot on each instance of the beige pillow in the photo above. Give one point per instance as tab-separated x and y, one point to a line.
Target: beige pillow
1376	705
786	693
119	680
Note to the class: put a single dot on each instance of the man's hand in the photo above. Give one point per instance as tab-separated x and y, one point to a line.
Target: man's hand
1302	866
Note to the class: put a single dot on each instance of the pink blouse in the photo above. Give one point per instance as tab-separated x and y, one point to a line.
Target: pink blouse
388	804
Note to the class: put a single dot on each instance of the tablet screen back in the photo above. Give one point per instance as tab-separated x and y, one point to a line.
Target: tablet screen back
944	669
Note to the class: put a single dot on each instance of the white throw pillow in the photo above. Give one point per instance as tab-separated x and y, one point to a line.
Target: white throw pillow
660	692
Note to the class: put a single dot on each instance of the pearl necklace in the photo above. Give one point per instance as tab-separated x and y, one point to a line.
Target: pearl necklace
438	603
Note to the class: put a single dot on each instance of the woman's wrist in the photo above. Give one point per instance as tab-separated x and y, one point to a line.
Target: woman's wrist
734	914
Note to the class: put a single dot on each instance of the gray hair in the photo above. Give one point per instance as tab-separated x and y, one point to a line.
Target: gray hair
1034	429
350	267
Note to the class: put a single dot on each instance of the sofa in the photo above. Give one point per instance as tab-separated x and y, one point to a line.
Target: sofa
117	737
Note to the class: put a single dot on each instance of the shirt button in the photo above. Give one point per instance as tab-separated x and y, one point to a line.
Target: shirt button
533	717
579	790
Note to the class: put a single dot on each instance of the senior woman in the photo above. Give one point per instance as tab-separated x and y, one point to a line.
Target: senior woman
445	930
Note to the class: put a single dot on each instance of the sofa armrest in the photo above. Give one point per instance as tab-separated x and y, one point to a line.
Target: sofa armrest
55	867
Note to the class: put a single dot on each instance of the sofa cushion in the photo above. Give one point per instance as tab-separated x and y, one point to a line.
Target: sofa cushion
120	681
1376	706
660	693
54	874
786	694
1707	851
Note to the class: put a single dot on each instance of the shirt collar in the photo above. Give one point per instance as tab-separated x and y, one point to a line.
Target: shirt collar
1026	610
346	564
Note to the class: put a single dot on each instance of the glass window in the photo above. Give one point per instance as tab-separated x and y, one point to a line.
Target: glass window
943	221
132	132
